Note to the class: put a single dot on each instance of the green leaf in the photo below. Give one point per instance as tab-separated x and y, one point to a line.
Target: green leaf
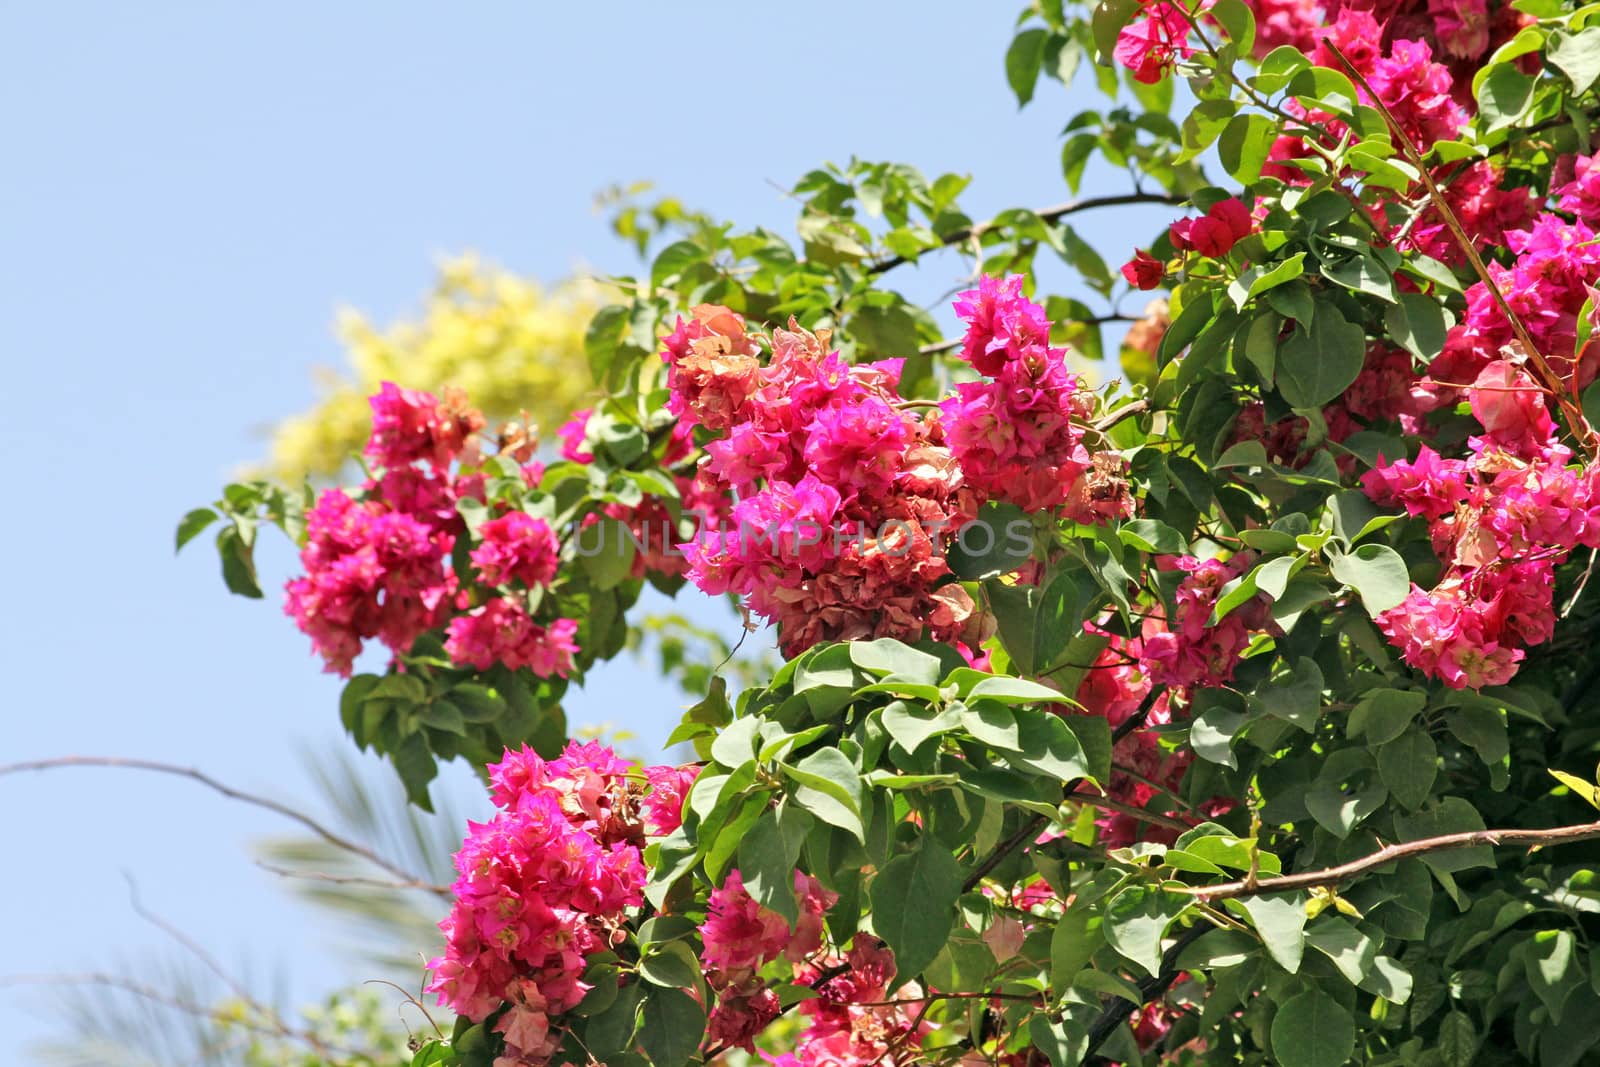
1312	1030
238	564
1376	573
1280	919
1388	979
607	549
912	724
1009	690
193	524
1245	144
674	1024
611	1031
993	724
1382	715
1239	21
830	788
1457	1041
888	658
767	857
1418	324
673	260
602	337
417	768
885	331
1504	96
1058	618
1049	747
997	542
1577	55
1023	60
1204	125
1148	535
1063	1045
672	964
1554	969
1136	920
1257	280
1351	951
736	745
1317	363
1072	945
1408	765
913	904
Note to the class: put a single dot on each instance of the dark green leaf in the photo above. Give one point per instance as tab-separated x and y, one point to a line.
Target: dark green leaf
1312	1030
913	904
1318	363
674	1024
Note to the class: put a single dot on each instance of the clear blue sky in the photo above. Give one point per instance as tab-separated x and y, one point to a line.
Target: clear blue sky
189	191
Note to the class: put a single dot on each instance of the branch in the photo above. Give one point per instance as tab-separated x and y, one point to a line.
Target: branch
228	791
1115	1013
1126	411
352	879
1389	853
1049	214
218	1016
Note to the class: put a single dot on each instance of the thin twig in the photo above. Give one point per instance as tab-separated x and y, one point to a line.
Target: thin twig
1049	214
194	948
1329	876
337	840
218	1016
352	879
1118	1010
1126	411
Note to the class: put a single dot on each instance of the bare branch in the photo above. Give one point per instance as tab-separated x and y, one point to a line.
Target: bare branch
337	840
352	879
218	1016
1329	876
1049	214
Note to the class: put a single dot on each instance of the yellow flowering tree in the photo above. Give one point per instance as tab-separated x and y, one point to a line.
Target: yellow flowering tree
510	342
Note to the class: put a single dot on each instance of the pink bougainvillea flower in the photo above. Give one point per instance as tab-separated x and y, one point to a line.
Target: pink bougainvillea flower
1154	41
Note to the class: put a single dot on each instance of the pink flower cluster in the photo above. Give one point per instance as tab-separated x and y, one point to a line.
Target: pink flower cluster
842	499
1155	40
1013	434
543	885
669	787
1225	224
410	426
1418	91
1114	687
1185	649
1460	32
502	631
740	937
848	1022
1501	520
847	498
1556	267
373	570
379	566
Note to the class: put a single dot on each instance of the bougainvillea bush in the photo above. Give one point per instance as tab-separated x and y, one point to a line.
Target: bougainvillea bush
1235	704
